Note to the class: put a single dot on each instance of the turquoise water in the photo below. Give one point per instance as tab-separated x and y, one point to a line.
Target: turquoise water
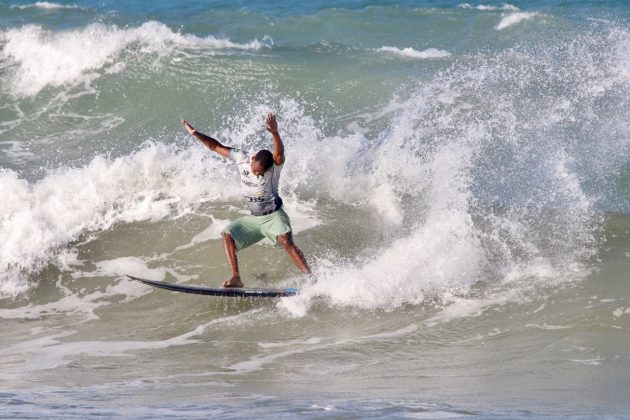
457	175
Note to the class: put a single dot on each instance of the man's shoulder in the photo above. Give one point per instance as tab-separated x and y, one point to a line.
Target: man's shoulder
240	155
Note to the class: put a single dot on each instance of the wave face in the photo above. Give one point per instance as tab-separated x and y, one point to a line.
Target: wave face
484	169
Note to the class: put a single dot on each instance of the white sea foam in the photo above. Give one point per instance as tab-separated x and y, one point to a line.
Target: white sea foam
211	232
426	175
412	53
461	307
589	362
46	350
82	305
621	311
127	265
441	254
515	18
483	7
44	58
620	63
46	6
257	362
151	184
50	351
17	151
546	326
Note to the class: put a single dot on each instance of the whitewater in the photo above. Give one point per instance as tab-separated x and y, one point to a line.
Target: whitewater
456	173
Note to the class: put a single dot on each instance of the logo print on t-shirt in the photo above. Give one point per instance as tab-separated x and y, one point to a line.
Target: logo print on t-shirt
246	173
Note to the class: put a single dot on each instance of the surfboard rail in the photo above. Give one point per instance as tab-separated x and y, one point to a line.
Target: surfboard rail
218	291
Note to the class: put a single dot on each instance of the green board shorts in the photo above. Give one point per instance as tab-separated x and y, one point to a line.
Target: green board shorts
248	230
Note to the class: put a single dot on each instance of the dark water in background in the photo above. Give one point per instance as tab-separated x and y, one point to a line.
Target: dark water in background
456	173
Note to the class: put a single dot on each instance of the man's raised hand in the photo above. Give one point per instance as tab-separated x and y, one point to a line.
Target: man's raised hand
188	127
272	124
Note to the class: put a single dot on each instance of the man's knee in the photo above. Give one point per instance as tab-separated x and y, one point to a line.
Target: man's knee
285	240
227	237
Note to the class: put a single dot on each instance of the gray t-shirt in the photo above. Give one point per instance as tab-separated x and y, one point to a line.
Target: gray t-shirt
261	192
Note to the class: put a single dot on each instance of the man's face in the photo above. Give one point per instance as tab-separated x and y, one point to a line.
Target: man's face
257	168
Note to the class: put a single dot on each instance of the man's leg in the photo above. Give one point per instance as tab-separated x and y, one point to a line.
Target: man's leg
230	253
286	241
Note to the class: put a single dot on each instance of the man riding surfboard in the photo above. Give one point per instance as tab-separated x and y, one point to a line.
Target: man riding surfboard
260	175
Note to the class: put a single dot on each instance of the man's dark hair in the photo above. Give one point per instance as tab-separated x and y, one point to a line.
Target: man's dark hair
265	158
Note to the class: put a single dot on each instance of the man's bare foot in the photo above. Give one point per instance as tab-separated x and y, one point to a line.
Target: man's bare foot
233	282
310	279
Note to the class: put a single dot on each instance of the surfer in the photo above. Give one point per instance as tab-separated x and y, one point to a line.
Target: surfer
260	174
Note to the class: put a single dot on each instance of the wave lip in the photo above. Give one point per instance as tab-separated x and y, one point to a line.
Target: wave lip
413	53
483	7
46	6
43	58
515	18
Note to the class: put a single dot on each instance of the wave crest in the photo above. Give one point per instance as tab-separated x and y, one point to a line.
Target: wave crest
45	5
412	53
42	58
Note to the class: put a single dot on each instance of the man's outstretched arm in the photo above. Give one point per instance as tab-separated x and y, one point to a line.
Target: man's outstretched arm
210	143
278	146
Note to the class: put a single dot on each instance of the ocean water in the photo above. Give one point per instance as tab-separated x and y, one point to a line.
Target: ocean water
457	174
